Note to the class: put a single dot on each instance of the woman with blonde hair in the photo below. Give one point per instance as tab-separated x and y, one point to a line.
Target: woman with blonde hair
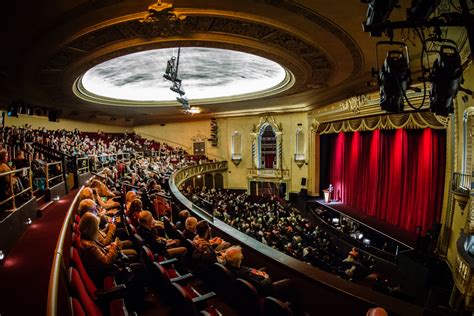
97	259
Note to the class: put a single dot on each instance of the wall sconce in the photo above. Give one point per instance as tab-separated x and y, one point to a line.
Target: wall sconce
236	159
300	157
300	160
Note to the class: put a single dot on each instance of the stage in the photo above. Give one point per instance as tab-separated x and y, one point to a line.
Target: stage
391	231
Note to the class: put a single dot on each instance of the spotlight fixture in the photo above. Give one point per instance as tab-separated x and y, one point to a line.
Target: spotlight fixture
421	9
176	87
183	100
28	221
378	13
446	76
2	255
394	80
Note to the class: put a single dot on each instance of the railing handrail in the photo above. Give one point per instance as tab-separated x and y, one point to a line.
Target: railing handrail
58	152
6	173
57	259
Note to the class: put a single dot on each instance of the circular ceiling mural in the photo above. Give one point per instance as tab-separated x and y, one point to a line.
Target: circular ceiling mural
206	73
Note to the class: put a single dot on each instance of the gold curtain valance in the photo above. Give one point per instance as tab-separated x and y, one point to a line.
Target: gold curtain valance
410	120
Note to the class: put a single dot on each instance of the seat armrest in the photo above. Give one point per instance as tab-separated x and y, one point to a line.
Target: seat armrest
168	262
182	277
112	293
203	297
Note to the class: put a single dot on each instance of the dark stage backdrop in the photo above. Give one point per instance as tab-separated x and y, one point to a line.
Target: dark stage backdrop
394	175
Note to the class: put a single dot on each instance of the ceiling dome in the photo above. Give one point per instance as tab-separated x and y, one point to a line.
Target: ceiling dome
206	74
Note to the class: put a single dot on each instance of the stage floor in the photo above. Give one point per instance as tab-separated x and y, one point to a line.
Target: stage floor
383	227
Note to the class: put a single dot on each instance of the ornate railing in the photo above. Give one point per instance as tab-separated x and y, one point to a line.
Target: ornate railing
461	183
463	269
184	174
268	173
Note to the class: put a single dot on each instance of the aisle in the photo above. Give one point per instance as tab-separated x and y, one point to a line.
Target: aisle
24	274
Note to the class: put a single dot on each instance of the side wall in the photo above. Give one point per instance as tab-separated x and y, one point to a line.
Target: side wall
183	134
40	121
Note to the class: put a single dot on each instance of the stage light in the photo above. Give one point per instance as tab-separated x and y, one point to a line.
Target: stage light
183	100
394	79
366	241
2	256
446	76
359	235
378	13
28	221
335	220
177	88
421	9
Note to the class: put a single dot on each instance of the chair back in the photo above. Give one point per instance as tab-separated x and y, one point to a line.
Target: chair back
76	307
80	292
274	307
87	281
182	301
248	301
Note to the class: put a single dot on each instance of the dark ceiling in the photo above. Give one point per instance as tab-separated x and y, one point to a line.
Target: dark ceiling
47	45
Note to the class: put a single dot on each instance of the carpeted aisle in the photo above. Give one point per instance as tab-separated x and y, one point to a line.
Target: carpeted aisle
24	274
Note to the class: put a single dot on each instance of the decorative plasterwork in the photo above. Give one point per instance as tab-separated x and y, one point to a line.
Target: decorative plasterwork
353	104
162	20
318	67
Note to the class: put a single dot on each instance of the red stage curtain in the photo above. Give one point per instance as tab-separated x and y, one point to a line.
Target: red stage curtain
394	175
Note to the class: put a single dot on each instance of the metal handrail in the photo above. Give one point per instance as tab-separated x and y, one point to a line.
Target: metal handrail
51	179
52	303
10	174
84	169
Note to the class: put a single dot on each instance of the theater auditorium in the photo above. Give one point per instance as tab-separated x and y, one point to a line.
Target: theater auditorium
177	157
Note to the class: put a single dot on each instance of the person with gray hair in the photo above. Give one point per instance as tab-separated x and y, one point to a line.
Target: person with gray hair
260	279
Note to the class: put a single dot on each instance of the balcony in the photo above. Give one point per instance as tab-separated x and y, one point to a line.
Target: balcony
461	186
268	173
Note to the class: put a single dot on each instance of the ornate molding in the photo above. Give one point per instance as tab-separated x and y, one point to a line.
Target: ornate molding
160	26
354	104
162	20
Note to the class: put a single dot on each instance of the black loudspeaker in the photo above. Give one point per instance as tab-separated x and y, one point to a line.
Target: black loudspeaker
304	194
303	182
53	116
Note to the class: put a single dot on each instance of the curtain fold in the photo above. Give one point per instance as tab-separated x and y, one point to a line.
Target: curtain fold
394	175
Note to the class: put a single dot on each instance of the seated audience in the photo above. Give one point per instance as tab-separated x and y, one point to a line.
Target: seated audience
159	245
190	228
258	278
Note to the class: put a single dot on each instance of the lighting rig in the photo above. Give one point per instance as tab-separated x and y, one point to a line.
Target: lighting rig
445	75
171	74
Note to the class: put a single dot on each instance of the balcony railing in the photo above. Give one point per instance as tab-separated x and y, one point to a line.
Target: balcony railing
461	183
184	174
20	184
269	173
